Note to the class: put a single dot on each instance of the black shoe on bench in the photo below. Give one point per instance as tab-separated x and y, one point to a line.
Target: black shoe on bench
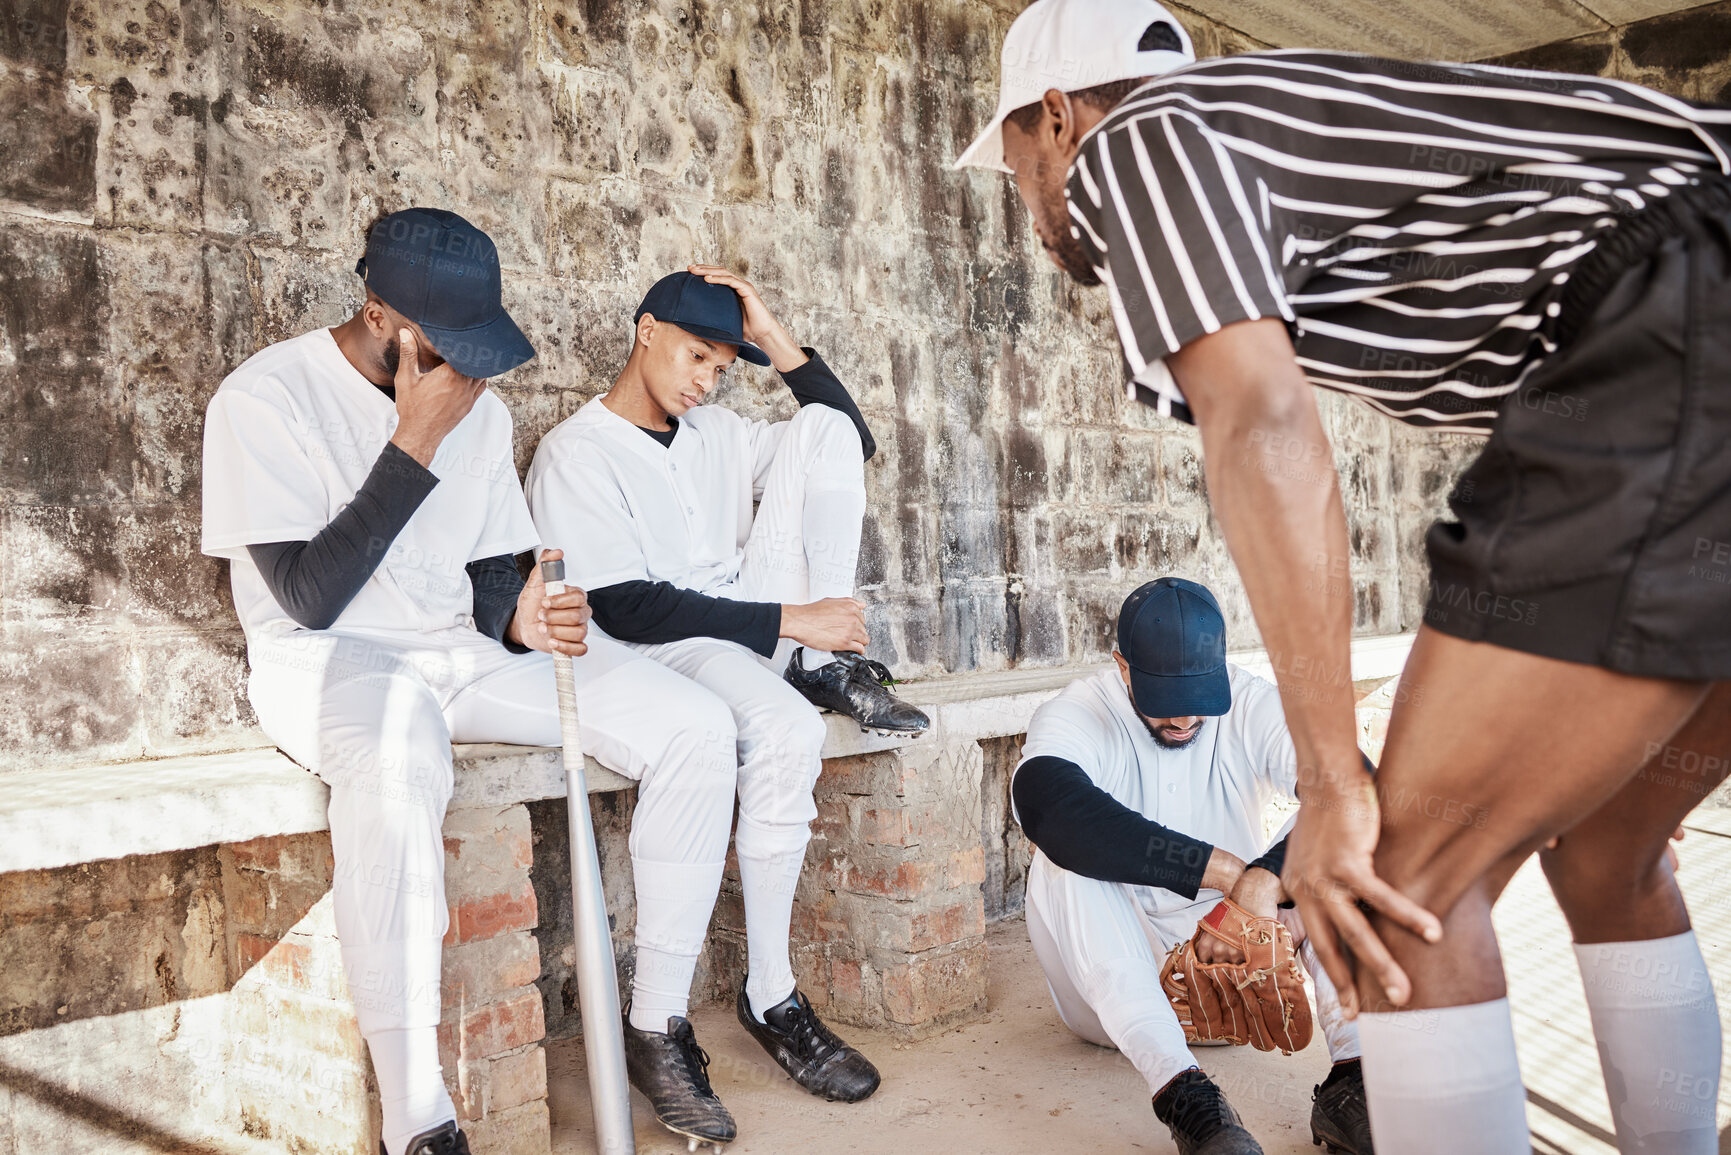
855	685
809	1051
444	1139
672	1071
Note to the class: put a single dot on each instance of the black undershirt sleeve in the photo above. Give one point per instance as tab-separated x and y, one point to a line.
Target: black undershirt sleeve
314	581
646	611
815	383
1273	859
497	585
1084	829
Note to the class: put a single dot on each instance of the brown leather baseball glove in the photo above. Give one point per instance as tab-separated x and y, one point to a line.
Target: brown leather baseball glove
1260	1001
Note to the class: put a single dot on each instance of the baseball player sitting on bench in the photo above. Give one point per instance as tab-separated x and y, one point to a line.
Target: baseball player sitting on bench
653	490
1143	791
360	482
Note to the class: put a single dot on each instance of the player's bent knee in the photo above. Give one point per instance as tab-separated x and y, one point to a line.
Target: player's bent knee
409	764
1435	863
804	731
825	420
831	430
703	720
1584	875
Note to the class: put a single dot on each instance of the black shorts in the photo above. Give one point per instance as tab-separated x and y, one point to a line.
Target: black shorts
1596	524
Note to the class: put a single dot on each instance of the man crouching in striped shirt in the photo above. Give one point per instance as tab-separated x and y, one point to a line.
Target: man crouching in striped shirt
1535	258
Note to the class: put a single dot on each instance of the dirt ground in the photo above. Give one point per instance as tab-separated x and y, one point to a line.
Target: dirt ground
1018	1082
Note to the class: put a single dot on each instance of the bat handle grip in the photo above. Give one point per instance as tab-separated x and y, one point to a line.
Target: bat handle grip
553	575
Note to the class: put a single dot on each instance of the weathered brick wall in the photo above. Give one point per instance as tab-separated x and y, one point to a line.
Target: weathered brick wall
206	988
185	181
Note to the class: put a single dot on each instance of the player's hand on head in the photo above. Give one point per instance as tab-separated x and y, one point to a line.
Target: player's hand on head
759	324
553	624
430	401
830	624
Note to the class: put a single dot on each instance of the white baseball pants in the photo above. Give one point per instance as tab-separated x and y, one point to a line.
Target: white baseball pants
1102	959
804	545
374	715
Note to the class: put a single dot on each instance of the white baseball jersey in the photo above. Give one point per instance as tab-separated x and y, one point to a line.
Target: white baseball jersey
1216	789
288	439
625	508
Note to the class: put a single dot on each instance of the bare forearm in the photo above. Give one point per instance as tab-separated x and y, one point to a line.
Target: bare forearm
1260	891
783	351
1273	487
1286	528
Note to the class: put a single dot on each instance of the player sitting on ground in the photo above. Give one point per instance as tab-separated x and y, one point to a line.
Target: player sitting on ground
658	488
1143	791
360	482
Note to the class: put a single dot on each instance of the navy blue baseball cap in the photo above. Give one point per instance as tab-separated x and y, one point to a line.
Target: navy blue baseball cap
1172	635
712	312
442	273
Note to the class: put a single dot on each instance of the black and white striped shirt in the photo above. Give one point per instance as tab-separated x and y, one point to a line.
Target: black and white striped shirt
1413	223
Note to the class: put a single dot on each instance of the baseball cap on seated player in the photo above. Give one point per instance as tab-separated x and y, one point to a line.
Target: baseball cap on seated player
1172	636
712	312
442	273
1075	44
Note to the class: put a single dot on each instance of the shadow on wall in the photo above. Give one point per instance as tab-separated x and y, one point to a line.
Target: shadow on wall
138	1007
100	1117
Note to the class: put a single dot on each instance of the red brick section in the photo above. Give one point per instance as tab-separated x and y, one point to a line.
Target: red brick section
490	1039
475	919
289	987
889	925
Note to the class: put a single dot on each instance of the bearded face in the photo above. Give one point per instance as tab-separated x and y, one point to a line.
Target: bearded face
1052	226
1041	171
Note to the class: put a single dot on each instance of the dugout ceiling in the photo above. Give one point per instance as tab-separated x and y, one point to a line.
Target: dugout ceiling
1429	29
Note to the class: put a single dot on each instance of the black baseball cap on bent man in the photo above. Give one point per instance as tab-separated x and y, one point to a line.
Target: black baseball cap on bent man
1173	638
713	312
442	273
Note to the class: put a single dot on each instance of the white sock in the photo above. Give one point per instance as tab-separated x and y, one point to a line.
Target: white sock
1445	1080
811	659
1657	1024
412	1091
768	882
660	988
674	902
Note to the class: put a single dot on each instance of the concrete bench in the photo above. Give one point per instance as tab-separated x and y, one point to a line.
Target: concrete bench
65	816
175	915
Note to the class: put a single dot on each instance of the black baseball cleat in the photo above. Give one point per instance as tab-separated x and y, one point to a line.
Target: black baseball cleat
444	1139
1339	1113
672	1071
809	1051
1202	1122
855	685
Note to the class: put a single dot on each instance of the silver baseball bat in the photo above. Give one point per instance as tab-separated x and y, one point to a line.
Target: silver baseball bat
597	980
